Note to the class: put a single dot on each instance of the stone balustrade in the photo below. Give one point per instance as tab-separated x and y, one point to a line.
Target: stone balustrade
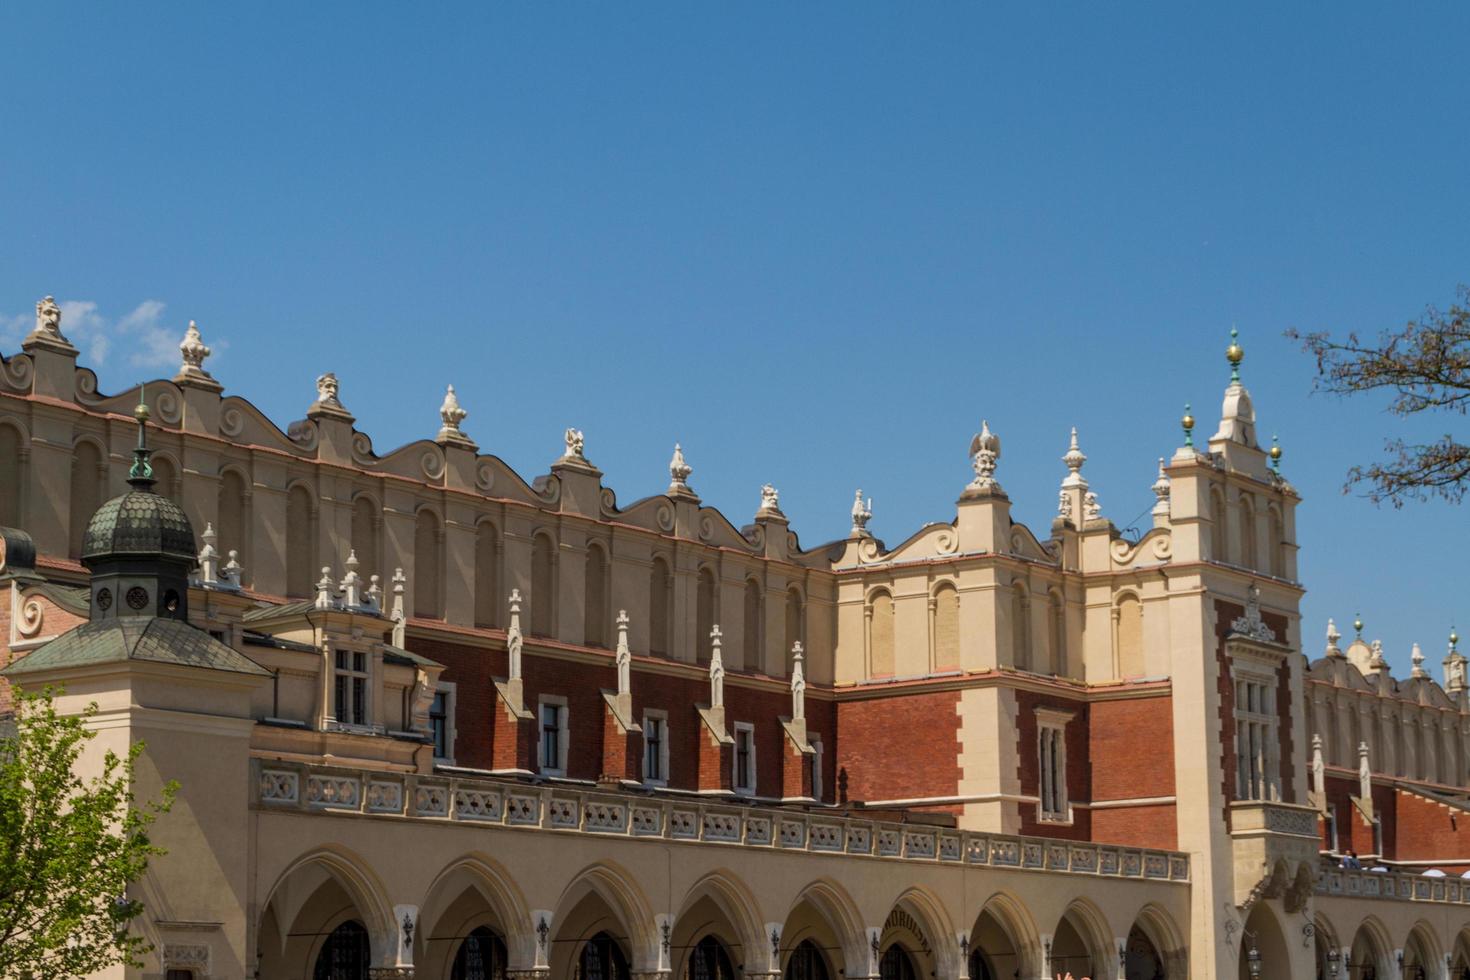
1391	885
503	802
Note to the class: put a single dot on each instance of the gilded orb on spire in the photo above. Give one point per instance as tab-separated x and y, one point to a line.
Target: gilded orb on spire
1358	625
1275	454
1187	423
1234	354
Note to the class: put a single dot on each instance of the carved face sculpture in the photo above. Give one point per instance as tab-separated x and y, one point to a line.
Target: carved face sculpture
326	388
48	316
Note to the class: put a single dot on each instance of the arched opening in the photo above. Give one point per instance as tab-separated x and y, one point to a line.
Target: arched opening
1003	942
704	614
165	477
795	624
1218	536
1247	532
601	958
1141	958
946	627
487	575
660	608
345	953
1070	950
543	586
710	960
1262	934
806	962
595	621
88	481
880	635
896	964
1460	964
481	956
1324	949
234	518
1422	958
1129	636
1154	949
1278	543
1056	620
366	526
301	564
1020	626
11	454
428	566
751	622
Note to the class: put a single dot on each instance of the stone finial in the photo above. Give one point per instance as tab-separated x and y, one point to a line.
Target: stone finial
396	614
1275	455
1161	488
679	472
1357	626
770	502
624	655
47	333
984	456
374	594
513	638
1234	354
1333	650
1074	458
798	683
208	558
451	415
861	514
1186	422
1454	666
1319	767
576	445
1091	506
716	670
1416	657
1377	663
325	590
351	582
231	575
1365	773
193	352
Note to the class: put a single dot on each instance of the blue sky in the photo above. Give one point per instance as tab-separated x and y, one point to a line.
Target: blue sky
814	243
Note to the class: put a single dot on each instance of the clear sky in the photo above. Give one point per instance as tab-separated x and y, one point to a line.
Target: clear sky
816	243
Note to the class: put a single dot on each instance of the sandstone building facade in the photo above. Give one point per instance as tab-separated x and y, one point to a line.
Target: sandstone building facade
434	720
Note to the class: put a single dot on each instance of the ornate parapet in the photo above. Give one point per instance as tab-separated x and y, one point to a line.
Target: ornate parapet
1341	883
327	790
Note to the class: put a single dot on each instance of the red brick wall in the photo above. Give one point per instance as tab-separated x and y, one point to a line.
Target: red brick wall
1028	764
1225	614
898	746
55	621
1132	757
1425	831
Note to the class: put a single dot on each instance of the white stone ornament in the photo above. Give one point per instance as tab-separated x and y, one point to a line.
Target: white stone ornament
451	415
1091	506
679	472
984	456
1416	656
1161	488
576	445
1251	625
513	638
48	319
798	684
231	574
1319	768
1074	459
624	655
716	670
397	615
861	514
327	390
208	559
1333	650
194	352
351	586
770	502
1365	773
1377	663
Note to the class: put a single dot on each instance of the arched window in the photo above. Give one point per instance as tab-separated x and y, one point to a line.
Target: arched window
880	635
234	520
595	621
896	964
481	957
10	477
345	954
543	586
660	608
1021	627
709	960
88	480
428	566
806	962
301	566
946	627
1057	621
1218	548
754	641
365	536
165	477
487	575
602	959
1278	543
704	614
795	621
1129	636
1247	531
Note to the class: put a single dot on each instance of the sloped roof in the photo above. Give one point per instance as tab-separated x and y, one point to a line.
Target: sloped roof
142	638
392	653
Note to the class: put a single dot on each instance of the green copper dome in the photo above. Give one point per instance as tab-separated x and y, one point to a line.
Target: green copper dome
140	523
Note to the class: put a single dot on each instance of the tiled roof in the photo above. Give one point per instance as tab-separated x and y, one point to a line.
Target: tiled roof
271	612
143	638
139	522
391	653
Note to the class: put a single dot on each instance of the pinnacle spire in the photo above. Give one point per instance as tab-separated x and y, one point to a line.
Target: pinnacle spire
140	474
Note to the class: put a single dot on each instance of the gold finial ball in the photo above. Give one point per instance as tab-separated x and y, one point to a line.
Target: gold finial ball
1358	623
1188	420
1276	452
1234	353
141	412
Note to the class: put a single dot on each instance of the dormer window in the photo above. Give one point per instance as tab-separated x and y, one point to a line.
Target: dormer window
351	707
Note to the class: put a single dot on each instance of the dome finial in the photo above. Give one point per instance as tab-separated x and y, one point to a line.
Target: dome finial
140	475
1187	424
1358	625
1234	354
1275	454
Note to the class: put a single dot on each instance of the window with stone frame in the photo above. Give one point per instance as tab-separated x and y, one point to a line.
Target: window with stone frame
1257	741
1053	805
551	748
744	776
350	687
815	741
656	747
441	722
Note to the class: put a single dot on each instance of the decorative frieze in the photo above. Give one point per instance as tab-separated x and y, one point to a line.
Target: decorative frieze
279	787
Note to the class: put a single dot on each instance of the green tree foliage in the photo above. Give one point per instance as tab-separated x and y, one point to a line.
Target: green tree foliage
1426	366
69	847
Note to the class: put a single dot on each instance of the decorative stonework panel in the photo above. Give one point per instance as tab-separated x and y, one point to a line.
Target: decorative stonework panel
384	797
431	801
1031	856
919	845
888	843
476	805
859	840
684	825
187	956
562	813
604	817
793	833
826	837
720	827
1155	866
757	830
949	847
279	787
522	811
647	822
339	792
